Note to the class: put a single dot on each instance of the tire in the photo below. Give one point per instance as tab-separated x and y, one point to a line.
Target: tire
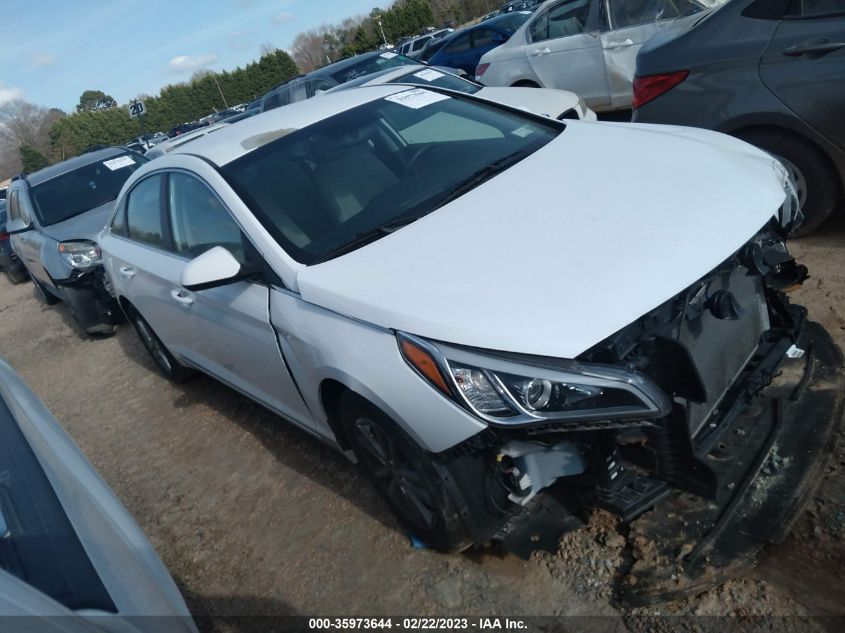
404	475
817	184
15	275
46	296
171	368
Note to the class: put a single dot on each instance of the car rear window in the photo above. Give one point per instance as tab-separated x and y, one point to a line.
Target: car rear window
84	188
371	65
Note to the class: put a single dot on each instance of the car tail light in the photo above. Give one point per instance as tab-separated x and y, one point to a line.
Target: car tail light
480	70
649	88
3	236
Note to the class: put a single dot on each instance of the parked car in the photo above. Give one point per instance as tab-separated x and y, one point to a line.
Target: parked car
558	104
780	87
414	46
55	215
446	289
9	262
325	78
163	148
465	48
586	46
71	557
521	5
297	89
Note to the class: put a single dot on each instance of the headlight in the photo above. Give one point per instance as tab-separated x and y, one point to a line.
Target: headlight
505	392
81	254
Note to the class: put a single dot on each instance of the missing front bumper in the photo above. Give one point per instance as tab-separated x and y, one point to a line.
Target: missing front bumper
767	462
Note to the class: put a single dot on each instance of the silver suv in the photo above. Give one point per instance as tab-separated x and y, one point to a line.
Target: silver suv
55	215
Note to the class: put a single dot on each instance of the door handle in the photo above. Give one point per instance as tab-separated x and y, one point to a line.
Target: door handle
181	297
538	52
814	48
127	271
613	45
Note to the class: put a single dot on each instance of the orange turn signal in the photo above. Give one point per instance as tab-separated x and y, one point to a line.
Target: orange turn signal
422	361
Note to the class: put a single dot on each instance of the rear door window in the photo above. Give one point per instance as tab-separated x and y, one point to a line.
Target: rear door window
624	13
485	37
144	211
460	44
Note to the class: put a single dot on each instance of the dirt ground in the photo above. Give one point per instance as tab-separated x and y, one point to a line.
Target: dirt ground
252	516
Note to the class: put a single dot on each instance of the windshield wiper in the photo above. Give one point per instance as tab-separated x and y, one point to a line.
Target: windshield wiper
478	177
370	235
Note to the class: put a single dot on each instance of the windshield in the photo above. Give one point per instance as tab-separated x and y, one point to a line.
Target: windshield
370	65
83	189
395	159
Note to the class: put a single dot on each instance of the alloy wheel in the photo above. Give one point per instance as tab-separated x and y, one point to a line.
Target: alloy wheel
395	473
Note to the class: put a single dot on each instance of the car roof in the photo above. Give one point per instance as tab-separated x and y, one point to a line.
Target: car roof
229	144
67	166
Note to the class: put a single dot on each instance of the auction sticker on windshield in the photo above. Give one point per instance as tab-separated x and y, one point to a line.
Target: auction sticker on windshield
388	55
417	98
117	163
428	74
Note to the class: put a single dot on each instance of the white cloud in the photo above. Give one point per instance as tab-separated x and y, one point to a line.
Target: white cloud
9	93
42	59
185	63
283	18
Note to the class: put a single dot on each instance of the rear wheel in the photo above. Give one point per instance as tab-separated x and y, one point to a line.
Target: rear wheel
403	474
818	191
172	369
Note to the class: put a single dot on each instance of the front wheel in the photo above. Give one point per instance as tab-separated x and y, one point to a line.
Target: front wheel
172	369
45	295
403	474
15	275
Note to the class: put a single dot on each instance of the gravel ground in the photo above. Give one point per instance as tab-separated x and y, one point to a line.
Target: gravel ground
252	516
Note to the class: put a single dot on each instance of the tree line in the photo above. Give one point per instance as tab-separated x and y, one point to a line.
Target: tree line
32	137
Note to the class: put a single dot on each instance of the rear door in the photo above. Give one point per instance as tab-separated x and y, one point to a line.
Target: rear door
628	24
564	50
804	65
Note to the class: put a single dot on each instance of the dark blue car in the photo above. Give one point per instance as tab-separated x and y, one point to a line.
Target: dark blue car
463	49
9	262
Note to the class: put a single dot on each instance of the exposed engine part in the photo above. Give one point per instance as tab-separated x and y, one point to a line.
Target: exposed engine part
532	466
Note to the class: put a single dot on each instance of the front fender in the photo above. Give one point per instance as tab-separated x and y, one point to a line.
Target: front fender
321	345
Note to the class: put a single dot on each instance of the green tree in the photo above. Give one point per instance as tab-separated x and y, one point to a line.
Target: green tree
93	100
32	160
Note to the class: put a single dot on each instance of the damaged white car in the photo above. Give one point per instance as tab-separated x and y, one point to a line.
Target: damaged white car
504	334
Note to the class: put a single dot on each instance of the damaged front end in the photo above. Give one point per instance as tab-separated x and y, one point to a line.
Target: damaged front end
90	295
704	426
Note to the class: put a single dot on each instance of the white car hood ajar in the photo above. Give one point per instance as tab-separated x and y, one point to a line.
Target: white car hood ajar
565	248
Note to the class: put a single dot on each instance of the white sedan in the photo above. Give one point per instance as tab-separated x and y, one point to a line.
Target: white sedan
451	292
557	104
586	46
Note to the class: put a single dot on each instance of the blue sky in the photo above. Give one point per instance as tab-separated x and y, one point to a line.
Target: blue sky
53	50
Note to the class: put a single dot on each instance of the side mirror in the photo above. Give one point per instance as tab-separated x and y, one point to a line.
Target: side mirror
13	227
214	268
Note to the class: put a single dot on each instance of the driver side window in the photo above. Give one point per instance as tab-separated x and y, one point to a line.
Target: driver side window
199	220
562	20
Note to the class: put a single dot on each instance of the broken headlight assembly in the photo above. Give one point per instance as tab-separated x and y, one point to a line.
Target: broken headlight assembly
790	215
81	254
512	393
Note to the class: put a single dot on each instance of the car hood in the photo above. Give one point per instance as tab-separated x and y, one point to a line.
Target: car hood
565	248
85	226
543	101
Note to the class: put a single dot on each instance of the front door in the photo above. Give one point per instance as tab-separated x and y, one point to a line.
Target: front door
27	245
804	65
233	337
